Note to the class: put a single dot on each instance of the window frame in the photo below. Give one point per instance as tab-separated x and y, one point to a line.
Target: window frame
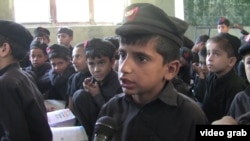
53	16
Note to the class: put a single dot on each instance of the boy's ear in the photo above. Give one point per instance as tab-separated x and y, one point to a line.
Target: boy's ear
5	50
233	61
172	69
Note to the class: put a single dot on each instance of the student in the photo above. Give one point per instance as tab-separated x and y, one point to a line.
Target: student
222	82
62	69
150	107
76	80
42	34
65	37
99	88
22	112
201	72
39	62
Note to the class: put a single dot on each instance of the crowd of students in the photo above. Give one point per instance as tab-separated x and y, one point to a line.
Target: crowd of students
147	78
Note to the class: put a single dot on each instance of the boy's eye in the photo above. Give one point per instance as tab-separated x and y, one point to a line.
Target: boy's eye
90	63
122	55
142	58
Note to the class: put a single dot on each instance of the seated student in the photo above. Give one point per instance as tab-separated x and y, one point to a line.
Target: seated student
39	65
65	37
150	107
239	111
222	82
62	69
42	34
76	80
99	88
186	58
201	72
22	112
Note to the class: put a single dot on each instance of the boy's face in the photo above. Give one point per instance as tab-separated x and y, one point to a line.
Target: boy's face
202	64
37	57
217	59
79	59
142	72
64	39
59	65
247	66
222	28
100	67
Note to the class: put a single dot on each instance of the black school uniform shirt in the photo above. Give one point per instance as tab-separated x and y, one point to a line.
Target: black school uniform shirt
220	93
87	107
59	83
170	117
22	111
38	73
75	83
240	104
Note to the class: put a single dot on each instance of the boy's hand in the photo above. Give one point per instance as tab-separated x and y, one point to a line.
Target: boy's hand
198	70
91	87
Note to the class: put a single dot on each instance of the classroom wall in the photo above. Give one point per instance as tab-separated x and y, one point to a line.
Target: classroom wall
84	32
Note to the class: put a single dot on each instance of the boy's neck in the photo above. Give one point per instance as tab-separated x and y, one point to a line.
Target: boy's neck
4	62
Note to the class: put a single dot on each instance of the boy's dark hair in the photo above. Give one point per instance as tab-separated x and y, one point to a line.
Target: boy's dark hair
41	31
65	30
58	51
202	38
203	52
35	44
164	46
114	40
225	43
223	20
97	47
17	36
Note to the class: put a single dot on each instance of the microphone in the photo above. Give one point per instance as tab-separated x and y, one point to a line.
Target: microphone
105	128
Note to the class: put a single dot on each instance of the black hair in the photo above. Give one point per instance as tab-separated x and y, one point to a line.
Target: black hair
202	38
36	44
165	47
114	40
58	51
18	52
224	44
97	47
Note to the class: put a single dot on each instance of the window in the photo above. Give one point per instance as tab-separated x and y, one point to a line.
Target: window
69	11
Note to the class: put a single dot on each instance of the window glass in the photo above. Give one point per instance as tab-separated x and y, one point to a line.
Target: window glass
32	11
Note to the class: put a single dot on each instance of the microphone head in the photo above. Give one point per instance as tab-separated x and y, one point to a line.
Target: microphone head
105	126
